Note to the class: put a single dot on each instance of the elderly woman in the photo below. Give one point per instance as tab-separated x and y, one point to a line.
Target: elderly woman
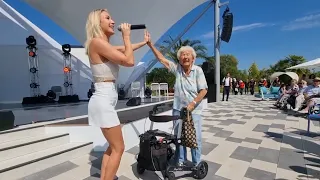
190	88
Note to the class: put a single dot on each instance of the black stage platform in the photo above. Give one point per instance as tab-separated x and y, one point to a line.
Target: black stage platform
26	114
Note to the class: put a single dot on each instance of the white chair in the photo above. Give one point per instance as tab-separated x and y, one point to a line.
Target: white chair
155	87
135	89
164	87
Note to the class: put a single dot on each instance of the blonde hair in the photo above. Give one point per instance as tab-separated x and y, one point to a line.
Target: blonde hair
93	28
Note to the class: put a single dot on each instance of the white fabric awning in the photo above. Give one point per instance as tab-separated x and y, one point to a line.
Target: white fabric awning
158	16
313	64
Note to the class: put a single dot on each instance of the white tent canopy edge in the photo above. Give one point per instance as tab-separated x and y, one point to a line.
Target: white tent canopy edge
158	16
313	64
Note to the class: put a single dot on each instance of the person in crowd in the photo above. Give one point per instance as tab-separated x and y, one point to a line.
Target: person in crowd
246	86
252	84
190	89
310	79
241	86
292	91
265	82
282	91
235	86
261	83
311	95
276	82
105	60
304	77
299	99
226	85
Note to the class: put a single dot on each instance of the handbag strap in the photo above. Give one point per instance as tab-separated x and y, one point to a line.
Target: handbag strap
188	115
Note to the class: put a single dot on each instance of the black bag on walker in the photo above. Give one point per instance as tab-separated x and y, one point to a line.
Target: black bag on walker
153	154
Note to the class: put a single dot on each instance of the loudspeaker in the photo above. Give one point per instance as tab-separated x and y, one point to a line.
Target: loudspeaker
35	100
227	27
6	120
68	98
205	67
147	92
121	94
135	101
211	94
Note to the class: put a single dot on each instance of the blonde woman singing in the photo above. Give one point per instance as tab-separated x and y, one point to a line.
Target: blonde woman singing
105	60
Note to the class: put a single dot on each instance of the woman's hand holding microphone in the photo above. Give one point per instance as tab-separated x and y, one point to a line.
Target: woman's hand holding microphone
125	29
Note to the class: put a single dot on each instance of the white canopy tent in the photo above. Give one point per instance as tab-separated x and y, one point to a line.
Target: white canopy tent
158	16
14	72
312	65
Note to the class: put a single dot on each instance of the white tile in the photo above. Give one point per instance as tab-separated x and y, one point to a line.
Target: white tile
249	145
221	153
233	169
263	165
270	143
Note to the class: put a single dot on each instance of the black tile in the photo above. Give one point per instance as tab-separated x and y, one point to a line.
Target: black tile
261	128
253	173
244	154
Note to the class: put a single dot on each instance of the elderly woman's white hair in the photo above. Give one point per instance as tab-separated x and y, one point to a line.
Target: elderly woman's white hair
186	48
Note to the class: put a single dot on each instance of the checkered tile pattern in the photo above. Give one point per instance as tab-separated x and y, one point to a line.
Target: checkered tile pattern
243	139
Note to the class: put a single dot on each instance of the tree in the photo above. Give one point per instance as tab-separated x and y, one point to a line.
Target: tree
242	75
254	71
200	49
287	62
161	75
228	64
265	73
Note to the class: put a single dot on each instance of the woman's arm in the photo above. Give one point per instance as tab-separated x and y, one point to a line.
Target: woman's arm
159	55
103	48
137	45
134	46
201	95
106	50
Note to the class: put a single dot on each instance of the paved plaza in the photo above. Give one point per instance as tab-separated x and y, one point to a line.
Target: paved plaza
243	139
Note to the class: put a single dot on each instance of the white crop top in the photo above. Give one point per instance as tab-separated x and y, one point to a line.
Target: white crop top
104	71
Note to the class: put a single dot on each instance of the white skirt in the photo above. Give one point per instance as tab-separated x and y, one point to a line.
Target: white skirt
101	107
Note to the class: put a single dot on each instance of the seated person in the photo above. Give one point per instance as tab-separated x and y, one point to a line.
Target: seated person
282	91
299	99
260	84
312	95
310	79
292	90
276	82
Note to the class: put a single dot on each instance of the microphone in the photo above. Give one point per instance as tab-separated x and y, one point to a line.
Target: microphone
134	27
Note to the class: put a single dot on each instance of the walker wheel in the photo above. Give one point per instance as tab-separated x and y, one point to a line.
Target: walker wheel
171	176
202	170
140	169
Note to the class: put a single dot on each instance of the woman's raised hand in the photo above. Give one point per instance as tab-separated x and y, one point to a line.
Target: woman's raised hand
147	37
125	29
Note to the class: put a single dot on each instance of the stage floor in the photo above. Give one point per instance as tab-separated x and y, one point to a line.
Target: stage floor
47	112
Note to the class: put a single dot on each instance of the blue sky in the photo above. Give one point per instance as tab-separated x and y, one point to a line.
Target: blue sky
263	32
